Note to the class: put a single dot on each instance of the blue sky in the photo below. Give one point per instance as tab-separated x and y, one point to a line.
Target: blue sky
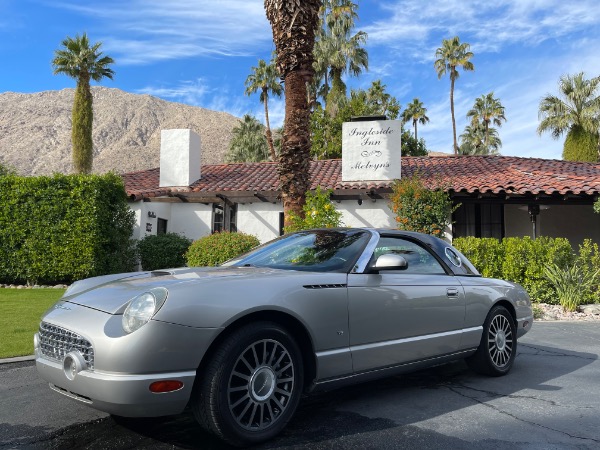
200	52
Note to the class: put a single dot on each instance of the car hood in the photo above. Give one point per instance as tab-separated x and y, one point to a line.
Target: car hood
111	293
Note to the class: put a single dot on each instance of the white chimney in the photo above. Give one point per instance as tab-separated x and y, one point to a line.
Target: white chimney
179	157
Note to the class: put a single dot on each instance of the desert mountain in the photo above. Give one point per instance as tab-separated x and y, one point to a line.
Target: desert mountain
35	130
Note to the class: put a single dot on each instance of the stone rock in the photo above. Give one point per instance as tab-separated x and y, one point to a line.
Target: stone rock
590	309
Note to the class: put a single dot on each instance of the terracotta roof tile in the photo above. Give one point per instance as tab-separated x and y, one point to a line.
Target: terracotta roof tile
469	174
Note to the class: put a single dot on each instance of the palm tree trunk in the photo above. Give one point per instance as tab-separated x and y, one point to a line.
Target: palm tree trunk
295	149
337	92
486	136
452	113
294	24
415	124
325	87
268	133
81	131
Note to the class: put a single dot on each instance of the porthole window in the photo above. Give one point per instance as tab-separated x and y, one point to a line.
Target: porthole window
453	257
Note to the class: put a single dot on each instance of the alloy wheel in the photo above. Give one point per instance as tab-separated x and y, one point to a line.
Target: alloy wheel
500	340
261	384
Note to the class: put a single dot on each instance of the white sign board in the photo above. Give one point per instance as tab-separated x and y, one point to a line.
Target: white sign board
371	150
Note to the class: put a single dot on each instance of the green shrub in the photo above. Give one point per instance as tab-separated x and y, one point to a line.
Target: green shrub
217	248
588	260
486	254
570	283
521	260
64	228
319	212
163	251
525	260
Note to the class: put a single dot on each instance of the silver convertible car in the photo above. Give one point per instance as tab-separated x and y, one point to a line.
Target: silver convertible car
241	342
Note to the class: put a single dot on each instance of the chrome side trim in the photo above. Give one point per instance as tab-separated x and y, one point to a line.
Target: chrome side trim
336	351
415	338
73	395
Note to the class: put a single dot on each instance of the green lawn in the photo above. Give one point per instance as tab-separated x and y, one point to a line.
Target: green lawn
20	313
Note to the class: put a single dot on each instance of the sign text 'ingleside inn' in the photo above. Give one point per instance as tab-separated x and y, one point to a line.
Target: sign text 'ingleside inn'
371	150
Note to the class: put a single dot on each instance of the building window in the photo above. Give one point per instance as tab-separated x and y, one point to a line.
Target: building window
479	220
281	223
232	217
224	217
161	226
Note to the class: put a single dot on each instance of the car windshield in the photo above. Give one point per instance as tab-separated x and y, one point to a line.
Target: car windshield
314	250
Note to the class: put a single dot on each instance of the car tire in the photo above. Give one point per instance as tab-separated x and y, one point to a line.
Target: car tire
251	386
498	347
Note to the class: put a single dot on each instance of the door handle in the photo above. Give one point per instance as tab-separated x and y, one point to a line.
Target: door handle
452	292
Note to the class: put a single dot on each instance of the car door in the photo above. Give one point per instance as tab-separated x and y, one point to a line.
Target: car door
399	316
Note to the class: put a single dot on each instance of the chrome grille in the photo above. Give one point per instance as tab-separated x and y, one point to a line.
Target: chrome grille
56	342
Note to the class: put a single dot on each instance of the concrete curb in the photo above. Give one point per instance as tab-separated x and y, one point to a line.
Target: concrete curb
17	359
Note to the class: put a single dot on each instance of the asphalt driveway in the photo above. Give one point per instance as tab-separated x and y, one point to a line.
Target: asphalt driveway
551	400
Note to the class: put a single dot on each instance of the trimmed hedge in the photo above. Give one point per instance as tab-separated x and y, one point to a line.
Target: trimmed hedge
217	248
523	260
163	251
64	228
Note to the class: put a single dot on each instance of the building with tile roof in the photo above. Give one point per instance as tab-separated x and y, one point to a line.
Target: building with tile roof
499	196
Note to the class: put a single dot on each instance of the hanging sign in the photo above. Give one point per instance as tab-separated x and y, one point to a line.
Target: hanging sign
371	150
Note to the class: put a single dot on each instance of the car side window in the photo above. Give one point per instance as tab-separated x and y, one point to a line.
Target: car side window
420	260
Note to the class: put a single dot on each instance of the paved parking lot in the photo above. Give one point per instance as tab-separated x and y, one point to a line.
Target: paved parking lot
550	400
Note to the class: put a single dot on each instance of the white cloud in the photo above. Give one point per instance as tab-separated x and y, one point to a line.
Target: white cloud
521	49
489	25
189	92
146	31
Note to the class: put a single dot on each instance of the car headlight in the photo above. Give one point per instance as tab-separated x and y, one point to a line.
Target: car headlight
142	307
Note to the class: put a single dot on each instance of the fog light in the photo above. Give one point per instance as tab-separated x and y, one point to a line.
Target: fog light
525	324
73	364
165	386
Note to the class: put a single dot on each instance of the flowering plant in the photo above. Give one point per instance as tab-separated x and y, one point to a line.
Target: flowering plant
319	212
418	208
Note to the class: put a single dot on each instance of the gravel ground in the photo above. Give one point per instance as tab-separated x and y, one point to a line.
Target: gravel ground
556	312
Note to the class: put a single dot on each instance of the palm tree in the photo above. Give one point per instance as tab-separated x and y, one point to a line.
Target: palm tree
486	110
477	140
576	111
294	25
265	78
451	55
83	63
416	112
248	142
381	101
337	50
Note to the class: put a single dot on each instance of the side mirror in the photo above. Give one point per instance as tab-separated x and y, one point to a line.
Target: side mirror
390	261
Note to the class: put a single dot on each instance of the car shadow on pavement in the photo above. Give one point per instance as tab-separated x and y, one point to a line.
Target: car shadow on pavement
353	412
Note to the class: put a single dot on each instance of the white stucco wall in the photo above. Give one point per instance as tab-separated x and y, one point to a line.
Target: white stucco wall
259	219
179	157
574	222
370	214
193	220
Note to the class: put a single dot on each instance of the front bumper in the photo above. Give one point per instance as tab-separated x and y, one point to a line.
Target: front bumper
124	365
524	325
119	394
